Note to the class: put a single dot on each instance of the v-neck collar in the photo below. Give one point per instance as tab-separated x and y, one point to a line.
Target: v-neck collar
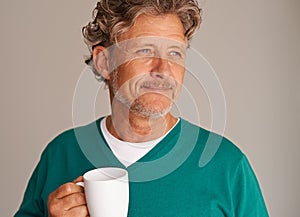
164	158
162	148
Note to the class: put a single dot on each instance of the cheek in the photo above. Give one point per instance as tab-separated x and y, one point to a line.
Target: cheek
131	71
178	74
128	73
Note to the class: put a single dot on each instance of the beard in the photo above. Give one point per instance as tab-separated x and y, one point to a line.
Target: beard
150	104
153	111
143	108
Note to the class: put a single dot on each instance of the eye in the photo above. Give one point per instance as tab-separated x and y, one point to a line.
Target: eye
144	51
175	54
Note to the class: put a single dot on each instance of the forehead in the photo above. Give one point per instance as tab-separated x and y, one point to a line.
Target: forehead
166	26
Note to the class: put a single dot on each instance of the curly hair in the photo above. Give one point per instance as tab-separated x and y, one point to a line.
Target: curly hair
114	17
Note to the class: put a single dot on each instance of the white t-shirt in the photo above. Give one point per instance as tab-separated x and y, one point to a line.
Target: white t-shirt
129	152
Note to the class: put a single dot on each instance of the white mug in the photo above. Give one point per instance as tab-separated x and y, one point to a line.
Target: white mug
106	191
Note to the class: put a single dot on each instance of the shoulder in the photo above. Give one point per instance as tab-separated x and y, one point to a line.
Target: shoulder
70	139
213	147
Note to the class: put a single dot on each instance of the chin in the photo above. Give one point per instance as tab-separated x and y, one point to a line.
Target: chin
150	105
152	109
151	114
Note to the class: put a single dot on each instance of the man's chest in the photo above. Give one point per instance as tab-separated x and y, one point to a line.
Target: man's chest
181	198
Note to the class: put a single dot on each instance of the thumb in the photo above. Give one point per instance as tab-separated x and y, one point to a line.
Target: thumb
78	179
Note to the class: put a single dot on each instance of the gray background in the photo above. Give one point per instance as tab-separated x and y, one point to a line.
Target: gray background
253	46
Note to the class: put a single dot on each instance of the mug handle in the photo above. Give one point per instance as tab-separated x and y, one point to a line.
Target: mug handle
80	184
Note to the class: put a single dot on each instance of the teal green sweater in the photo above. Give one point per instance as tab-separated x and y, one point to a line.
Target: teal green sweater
168	181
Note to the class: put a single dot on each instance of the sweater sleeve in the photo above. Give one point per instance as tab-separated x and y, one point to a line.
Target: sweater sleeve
247	196
33	204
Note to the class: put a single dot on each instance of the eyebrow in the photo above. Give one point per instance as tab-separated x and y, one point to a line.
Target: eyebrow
180	47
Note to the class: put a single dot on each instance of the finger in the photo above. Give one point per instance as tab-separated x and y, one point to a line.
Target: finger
78	211
58	207
67	189
78	179
73	200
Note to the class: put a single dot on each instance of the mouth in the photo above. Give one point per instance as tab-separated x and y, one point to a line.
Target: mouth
157	86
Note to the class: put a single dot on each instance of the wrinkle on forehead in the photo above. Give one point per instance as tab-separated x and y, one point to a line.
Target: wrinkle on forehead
168	26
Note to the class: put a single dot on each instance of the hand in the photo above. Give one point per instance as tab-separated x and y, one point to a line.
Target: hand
68	201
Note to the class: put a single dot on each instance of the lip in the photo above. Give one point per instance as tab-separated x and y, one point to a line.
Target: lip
157	89
157	86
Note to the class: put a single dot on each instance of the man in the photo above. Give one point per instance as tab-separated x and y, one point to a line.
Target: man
138	48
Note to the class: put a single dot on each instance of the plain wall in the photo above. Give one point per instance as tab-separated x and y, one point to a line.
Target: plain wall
254	47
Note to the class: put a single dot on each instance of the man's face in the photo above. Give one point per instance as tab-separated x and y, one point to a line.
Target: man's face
150	65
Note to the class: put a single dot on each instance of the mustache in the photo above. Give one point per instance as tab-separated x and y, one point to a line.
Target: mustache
159	84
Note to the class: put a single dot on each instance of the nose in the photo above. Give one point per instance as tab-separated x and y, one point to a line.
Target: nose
160	67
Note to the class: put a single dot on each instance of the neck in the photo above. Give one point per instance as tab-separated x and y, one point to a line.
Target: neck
136	128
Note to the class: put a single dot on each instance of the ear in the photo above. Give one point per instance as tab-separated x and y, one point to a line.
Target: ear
100	59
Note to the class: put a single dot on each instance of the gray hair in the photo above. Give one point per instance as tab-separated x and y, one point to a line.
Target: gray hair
114	17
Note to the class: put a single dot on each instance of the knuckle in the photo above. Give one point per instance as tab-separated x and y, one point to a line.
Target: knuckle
68	187
63	200
57	207
51	203
53	210
74	200
50	196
